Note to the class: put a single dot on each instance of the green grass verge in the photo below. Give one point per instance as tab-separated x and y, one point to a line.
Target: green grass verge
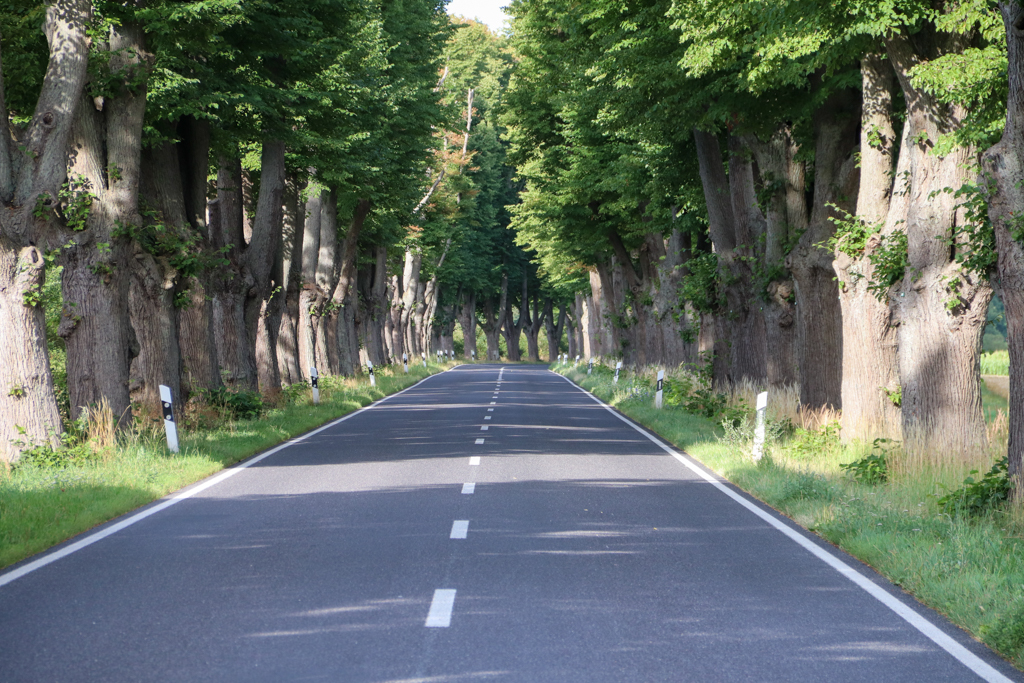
42	506
971	570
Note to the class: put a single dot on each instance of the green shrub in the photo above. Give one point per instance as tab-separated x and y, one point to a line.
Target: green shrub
874	468
976	497
240	405
810	442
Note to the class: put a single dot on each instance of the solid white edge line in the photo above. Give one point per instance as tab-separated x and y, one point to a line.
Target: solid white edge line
460	529
984	670
440	614
173	498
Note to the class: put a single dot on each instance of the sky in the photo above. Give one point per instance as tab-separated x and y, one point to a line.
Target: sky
487	11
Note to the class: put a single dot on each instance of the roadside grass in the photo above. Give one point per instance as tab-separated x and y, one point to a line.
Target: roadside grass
44	504
969	568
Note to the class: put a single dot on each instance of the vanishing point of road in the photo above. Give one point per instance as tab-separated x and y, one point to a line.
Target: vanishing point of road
492	523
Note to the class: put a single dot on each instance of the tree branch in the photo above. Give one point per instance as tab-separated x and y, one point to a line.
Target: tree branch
47	137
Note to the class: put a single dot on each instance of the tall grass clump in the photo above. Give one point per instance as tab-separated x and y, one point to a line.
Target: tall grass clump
995	363
937	523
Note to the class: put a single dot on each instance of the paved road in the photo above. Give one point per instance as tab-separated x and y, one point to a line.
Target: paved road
590	554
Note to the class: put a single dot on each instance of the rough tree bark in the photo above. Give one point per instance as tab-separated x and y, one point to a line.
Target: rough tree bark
235	351
534	324
373	305
493	311
37	169
869	335
466	313
940	306
1005	164
740	343
819	317
342	318
513	328
785	217
200	365
106	152
311	299
154	283
554	330
291	272
258	259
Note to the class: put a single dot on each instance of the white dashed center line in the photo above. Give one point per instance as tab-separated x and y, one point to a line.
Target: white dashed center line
440	615
487	417
479	441
484	428
490	410
460	528
492	403
469	488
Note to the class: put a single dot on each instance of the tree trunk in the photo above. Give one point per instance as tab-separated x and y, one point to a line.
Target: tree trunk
740	342
151	305
344	302
31	175
534	324
373	307
786	216
494	319
940	306
231	284
513	329
1005	165
196	337
467	321
26	386
96	273
310	299
258	259
554	330
869	336
155	284
291	283
819	317
411	281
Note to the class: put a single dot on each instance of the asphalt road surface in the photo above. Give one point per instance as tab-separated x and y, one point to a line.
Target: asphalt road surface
489	524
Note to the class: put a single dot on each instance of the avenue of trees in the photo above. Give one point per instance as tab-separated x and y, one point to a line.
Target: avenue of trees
219	193
223	194
817	193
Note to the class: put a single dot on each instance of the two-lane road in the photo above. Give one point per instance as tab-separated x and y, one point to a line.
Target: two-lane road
491	523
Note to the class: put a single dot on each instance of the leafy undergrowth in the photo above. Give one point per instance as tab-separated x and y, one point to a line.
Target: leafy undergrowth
52	495
944	533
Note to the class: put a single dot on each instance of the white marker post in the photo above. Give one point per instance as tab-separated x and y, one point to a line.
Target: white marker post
373	380
424	354
658	395
577	360
167	401
762	408
474	355
618	366
405	362
590	365
314	381
451	355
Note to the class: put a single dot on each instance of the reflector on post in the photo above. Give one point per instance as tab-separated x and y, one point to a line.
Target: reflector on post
167	403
